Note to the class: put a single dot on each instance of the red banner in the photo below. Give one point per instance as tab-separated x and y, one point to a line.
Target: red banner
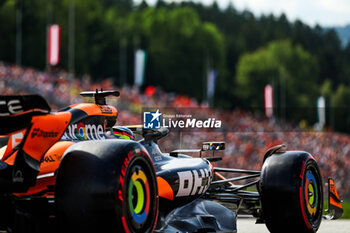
54	44
268	93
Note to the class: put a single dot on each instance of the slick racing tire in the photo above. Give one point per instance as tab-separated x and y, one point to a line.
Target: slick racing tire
107	186
291	192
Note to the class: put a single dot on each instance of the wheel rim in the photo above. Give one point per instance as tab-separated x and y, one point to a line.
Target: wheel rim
139	196
312	195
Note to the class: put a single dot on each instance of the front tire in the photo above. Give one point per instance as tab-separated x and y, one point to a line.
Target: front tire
291	192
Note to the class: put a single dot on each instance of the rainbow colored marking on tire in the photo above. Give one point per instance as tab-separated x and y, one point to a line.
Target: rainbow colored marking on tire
311	193
139	195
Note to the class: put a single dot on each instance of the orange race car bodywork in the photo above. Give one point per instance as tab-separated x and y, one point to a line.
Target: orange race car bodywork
74	132
50	135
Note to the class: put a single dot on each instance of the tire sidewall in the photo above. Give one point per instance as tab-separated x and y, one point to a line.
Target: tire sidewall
137	157
313	224
88	185
283	195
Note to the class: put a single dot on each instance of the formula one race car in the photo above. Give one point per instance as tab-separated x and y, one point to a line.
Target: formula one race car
74	171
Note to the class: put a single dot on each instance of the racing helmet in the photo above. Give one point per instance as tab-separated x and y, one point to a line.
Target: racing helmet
123	133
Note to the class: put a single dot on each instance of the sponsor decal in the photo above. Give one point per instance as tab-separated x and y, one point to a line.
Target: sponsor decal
16	138
106	109
193	182
83	131
10	107
37	132
18	177
51	158
151	120
48	159
158	158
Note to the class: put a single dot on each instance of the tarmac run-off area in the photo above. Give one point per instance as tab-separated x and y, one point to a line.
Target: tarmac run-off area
247	225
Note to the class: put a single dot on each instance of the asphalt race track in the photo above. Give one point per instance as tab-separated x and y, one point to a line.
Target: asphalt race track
247	225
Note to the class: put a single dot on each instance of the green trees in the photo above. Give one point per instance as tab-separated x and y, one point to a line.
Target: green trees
7	30
288	68
100	37
291	71
32	28
340	109
179	46
183	40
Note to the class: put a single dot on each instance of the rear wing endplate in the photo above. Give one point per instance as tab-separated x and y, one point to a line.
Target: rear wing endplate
335	208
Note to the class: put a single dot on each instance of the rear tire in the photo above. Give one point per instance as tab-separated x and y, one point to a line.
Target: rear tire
107	186
140	206
291	193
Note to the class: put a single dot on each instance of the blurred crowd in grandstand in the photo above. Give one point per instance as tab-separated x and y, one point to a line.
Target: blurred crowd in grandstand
247	135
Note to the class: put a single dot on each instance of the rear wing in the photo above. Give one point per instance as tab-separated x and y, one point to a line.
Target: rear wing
100	96
17	111
32	130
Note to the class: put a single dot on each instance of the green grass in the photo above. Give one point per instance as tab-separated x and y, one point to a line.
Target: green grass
346	207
